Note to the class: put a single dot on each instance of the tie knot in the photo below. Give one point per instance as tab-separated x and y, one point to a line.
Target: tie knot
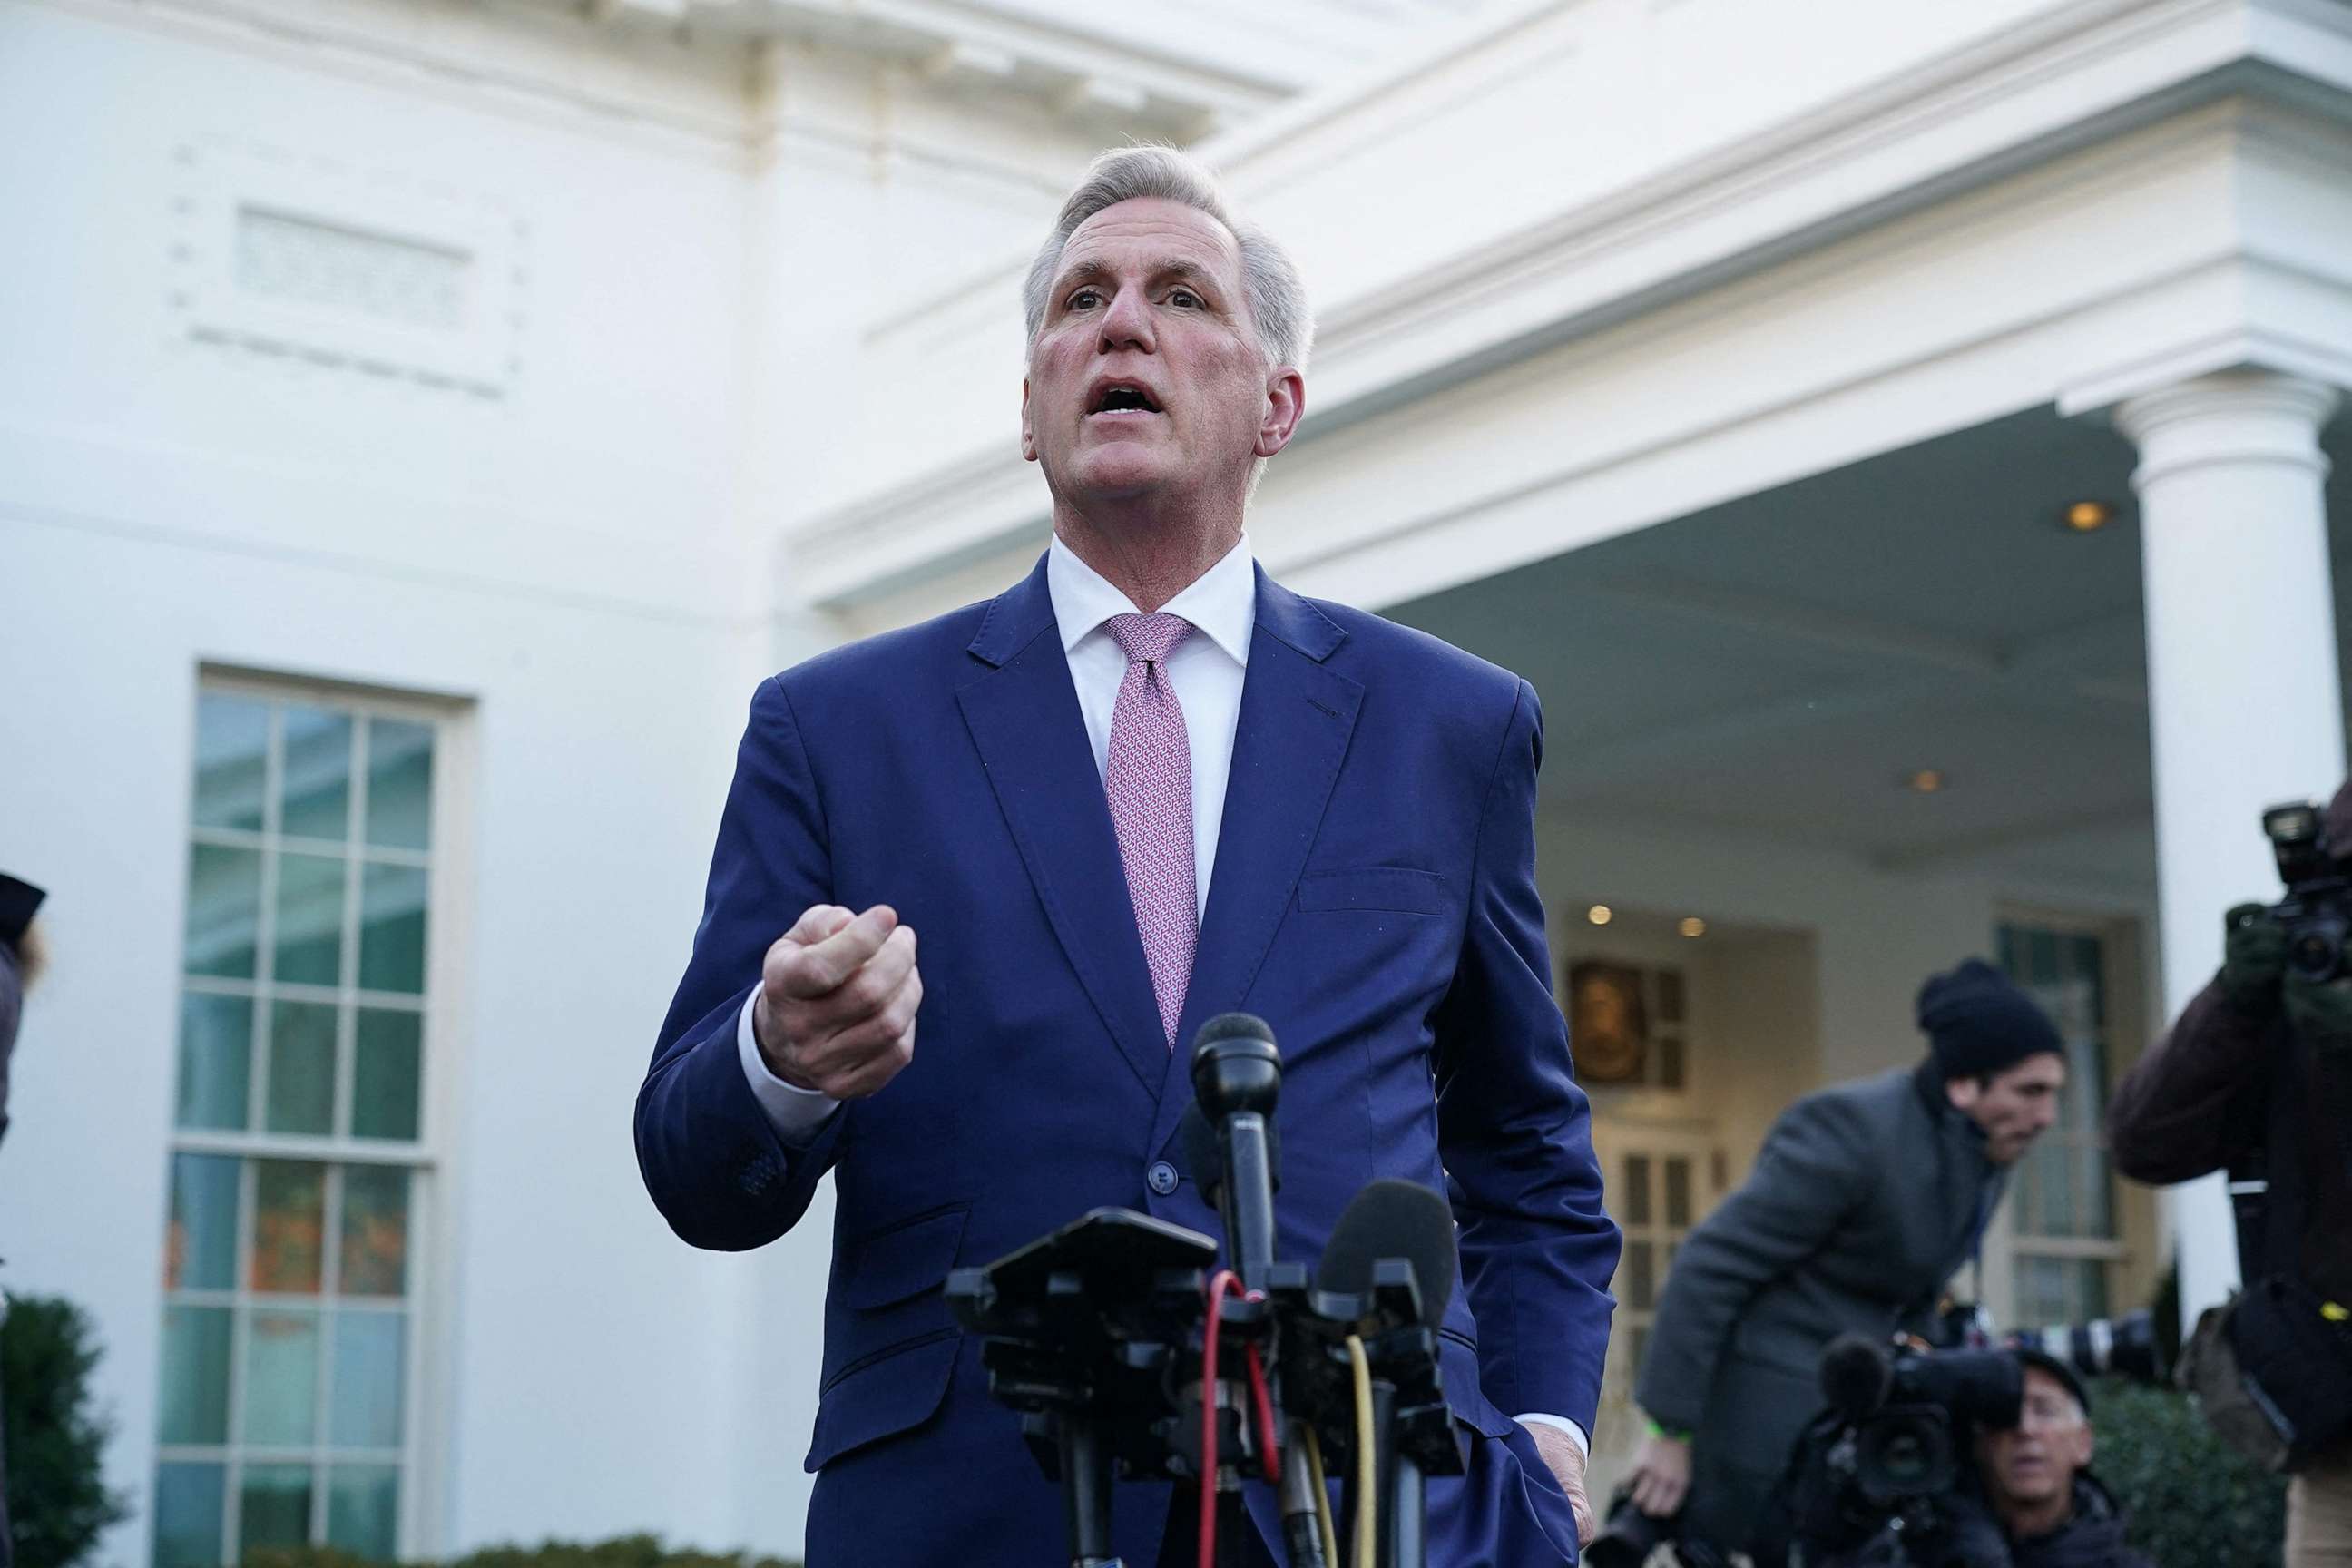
1148	638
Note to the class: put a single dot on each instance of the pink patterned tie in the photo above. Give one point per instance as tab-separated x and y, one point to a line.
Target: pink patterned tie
1148	777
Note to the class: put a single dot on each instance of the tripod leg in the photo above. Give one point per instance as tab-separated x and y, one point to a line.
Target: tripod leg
1086	1490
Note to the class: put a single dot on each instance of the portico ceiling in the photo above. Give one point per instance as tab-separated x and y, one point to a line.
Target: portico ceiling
1780	664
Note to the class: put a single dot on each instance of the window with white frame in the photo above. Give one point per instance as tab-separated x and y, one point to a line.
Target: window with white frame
2066	1245
301	1153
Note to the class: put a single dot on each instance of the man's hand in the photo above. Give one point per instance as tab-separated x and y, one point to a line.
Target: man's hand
839	994
1566	1462
1661	1475
2253	957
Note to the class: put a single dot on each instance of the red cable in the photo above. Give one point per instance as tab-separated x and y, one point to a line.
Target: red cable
1265	1403
1223	1282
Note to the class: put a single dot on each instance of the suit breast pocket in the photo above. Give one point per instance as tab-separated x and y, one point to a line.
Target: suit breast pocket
1387	890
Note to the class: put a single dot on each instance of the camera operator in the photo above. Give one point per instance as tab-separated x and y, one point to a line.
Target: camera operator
2255	1078
2037	1481
2025	1498
1866	1198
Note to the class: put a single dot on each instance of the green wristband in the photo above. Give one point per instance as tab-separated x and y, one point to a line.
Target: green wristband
1669	1432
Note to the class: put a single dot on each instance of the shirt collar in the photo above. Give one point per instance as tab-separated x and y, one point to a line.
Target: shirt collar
1221	603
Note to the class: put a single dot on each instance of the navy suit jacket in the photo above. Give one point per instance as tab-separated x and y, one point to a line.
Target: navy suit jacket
1373	898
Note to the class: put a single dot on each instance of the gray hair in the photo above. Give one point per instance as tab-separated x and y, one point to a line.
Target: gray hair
1276	299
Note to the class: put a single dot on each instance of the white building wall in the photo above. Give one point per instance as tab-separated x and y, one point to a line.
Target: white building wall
566	554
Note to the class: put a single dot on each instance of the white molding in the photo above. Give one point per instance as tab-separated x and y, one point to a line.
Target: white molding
2105	88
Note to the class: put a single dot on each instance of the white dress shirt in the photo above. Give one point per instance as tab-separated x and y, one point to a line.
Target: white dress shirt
1205	669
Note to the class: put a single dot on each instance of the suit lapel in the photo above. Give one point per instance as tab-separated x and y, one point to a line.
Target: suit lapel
1292	734
1025	719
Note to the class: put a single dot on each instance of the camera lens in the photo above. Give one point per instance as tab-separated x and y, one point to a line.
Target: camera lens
2313	954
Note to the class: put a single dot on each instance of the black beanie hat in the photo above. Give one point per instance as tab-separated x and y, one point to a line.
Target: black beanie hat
1977	1023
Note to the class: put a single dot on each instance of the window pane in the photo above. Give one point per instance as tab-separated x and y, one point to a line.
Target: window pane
1678	1185
232	747
223	909
289	1225
1634	1199
2053	1208
301	1068
375	1230
2041	1291
400	785
1638	1288
318	802
391	930
363	1509
1670	995
309	918
277	1500
2098	1192
195	1379
281	1378
200	1241
2090	1290
384	1085
367	1382
216	1056
1670	1061
189	1502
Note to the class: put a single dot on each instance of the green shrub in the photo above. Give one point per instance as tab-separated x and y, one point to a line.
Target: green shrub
2194	1502
55	1443
622	1552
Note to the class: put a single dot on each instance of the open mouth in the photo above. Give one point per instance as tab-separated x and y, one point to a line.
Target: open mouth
1123	397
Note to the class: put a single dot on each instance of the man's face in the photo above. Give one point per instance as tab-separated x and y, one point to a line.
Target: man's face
1146	375
2035	1460
2014	1108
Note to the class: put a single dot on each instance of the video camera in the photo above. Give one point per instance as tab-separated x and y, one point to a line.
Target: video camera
1128	1357
2316	913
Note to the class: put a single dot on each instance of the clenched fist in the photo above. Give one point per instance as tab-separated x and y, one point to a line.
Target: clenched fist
839	994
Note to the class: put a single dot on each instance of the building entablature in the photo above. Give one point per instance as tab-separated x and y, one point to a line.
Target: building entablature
2085	193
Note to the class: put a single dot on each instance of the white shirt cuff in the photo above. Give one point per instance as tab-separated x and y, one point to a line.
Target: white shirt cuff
1582	1439
795	1113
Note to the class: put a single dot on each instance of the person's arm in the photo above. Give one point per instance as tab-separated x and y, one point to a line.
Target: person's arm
1817	1166
2195	1101
709	1150
1515	1131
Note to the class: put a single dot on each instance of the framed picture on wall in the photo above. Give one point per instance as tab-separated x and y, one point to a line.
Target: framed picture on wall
1608	1023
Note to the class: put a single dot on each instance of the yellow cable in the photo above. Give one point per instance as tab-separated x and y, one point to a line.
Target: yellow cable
1323	1524
1368	1502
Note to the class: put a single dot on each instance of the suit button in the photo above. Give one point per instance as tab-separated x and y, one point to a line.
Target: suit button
1162	1177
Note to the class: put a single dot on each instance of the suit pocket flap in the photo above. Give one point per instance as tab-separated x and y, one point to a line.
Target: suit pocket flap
1399	889
903	1261
886	1396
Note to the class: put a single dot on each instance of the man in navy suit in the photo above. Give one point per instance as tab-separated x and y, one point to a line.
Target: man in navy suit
1144	786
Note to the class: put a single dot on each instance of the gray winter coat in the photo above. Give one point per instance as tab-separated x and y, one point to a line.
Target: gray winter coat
1865	1201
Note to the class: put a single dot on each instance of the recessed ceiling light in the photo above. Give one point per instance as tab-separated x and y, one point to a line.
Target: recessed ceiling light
1691	925
1927	781
1600	914
2089	516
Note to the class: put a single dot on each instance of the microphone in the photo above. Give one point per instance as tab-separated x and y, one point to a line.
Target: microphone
1394	1219
1236	1079
1857	1374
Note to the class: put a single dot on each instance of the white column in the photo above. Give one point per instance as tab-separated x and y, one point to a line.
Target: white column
2244	699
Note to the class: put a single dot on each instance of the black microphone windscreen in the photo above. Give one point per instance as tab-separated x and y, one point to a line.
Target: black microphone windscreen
1394	1219
1234	1027
1857	1374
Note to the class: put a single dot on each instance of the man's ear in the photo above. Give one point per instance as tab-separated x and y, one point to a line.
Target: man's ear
1285	401
1028	436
